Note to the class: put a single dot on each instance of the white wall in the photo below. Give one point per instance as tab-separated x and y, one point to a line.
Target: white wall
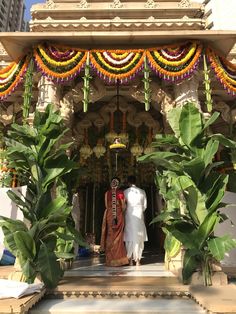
8	208
223	14
226	227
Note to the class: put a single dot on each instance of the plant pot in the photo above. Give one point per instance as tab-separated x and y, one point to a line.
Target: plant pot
66	264
218	278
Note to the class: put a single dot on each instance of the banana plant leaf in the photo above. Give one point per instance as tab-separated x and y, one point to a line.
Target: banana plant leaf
220	246
49	266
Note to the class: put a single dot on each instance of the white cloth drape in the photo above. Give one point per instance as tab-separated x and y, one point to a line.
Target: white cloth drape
135	231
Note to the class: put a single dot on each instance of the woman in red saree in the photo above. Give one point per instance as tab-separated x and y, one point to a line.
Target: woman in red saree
112	239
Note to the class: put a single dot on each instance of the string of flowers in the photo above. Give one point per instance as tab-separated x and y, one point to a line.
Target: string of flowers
59	63
146	81
225	71
86	88
28	90
114	65
175	63
207	85
172	62
12	76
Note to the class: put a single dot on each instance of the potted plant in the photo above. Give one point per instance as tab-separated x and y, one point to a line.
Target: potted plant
35	153
192	188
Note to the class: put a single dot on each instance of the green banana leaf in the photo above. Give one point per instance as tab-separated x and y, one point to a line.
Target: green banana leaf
25	244
220	246
190	264
49	266
190	124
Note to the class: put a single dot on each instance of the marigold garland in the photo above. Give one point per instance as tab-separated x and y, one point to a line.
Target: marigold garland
47	60
224	70
16	72
172	62
117	64
169	68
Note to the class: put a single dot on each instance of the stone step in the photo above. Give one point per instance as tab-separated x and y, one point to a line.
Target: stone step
111	306
119	286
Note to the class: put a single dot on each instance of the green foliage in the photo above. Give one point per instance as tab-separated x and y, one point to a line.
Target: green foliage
146	80
86	88
192	188
36	153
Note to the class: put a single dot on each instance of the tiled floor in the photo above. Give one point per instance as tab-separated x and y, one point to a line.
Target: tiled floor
95	267
126	306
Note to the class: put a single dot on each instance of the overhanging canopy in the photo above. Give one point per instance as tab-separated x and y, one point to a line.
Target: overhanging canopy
17	44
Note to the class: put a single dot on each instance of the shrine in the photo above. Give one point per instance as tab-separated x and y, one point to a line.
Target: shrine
114	69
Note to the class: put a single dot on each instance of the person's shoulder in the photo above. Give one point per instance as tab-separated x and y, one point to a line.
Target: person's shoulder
142	190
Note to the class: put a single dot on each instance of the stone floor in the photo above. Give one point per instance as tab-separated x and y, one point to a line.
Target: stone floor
91	287
111	306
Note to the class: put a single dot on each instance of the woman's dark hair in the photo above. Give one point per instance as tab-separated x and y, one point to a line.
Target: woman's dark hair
131	179
115	181
115	178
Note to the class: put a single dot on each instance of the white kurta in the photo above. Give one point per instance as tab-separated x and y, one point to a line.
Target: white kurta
135	231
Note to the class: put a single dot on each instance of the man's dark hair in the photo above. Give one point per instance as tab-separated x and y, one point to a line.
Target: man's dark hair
131	179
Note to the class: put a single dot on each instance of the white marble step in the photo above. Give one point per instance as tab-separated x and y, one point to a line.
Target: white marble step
150	270
111	306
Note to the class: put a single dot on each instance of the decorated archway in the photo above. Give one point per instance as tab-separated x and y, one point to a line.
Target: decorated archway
84	85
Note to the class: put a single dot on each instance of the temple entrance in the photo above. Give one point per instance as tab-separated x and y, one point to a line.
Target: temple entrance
92	208
111	117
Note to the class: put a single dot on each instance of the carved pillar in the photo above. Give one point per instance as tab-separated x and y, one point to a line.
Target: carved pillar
186	91
48	93
67	113
166	102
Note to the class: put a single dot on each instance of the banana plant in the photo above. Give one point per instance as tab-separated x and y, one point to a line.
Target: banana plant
192	188
36	153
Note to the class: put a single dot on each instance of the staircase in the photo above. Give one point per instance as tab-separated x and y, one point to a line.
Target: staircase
90	287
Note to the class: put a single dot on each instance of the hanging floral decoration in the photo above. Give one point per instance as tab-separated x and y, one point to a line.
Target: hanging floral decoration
177	62
224	70
11	76
58	62
113	65
173	62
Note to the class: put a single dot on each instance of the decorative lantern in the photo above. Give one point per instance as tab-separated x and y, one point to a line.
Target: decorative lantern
136	150
117	146
149	149
85	151
111	136
124	138
99	150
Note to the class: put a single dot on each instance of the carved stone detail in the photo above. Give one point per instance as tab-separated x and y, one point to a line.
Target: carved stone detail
224	109
150	4
163	101
186	91
2	50
48	93
97	91
67	108
116	4
50	4
184	4
83	4
7	114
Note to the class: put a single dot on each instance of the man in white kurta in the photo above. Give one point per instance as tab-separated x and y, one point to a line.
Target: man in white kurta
135	231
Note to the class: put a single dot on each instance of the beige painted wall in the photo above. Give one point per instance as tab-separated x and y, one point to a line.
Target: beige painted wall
226	227
8	208
223	14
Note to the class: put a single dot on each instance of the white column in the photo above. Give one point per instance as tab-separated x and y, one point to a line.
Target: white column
48	93
187	91
67	113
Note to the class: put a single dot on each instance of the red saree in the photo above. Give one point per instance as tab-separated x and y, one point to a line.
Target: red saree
112	241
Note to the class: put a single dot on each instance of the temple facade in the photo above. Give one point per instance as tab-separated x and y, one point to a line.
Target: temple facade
116	106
